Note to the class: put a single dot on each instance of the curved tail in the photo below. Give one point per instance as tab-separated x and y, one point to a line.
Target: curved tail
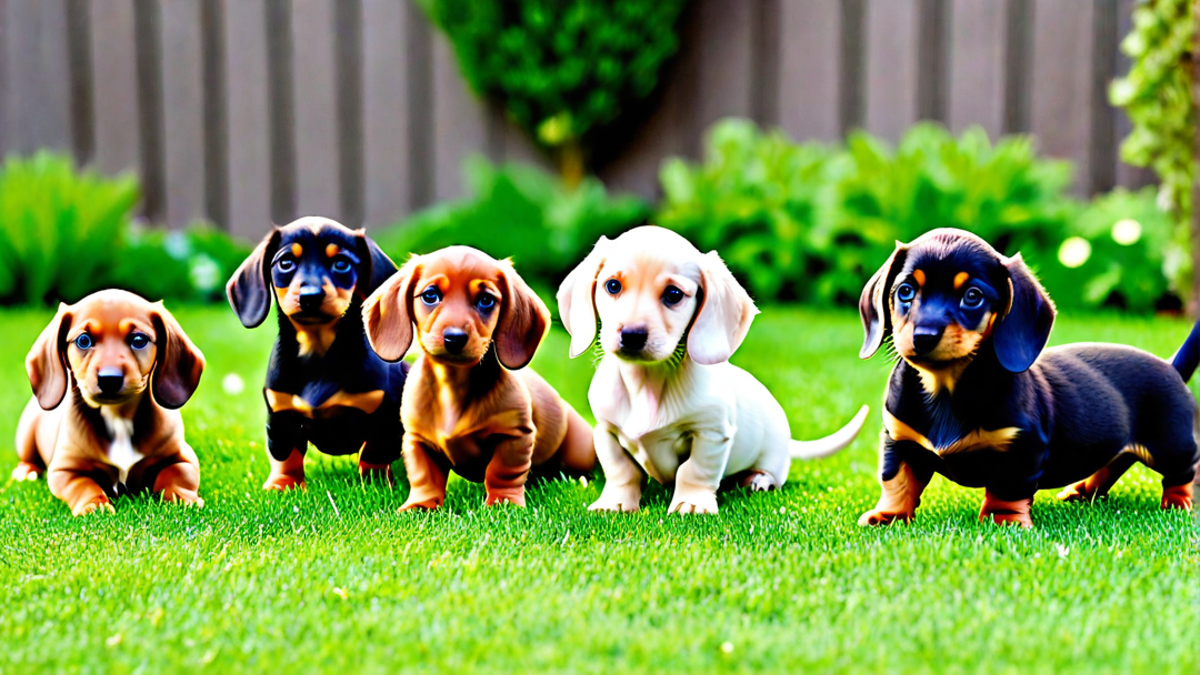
1188	356
824	447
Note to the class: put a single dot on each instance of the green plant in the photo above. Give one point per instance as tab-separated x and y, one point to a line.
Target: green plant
563	70
519	212
60	229
191	264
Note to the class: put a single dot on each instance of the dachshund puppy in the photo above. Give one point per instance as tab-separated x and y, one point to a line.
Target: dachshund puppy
324	384
665	396
109	375
977	398
464	407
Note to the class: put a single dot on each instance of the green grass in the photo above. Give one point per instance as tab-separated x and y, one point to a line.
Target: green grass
333	579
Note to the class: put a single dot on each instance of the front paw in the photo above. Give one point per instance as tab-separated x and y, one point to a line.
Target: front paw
97	504
510	496
1079	492
694	501
880	517
375	473
26	471
421	502
617	500
283	481
182	496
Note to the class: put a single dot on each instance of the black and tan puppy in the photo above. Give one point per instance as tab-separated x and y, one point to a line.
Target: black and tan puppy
324	384
976	398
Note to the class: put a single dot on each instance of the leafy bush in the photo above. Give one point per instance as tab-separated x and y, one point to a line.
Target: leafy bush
520	212
192	264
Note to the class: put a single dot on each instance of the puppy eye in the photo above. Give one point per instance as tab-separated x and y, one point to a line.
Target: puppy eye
84	342
286	265
612	286
431	296
973	298
485	302
672	296
139	341
341	266
905	292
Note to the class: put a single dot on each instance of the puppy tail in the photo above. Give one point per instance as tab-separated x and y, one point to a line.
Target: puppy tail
1188	356
832	443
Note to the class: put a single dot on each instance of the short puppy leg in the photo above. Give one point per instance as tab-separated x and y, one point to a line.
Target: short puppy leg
577	454
81	493
622	476
757	480
179	482
1177	497
426	476
375	462
698	478
900	498
1005	512
508	470
1097	485
287	474
30	466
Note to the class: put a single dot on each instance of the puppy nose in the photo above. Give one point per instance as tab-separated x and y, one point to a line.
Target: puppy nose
454	339
311	297
926	338
110	380
633	339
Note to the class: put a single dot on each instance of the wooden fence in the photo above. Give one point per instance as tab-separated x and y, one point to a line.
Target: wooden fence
252	111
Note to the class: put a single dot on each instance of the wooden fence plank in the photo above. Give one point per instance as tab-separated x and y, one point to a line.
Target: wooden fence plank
318	191
810	69
1060	113
248	155
977	66
115	85
183	112
38	76
891	62
459	122
722	34
386	146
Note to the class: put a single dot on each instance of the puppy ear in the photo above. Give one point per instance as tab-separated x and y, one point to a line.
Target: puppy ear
178	363
387	315
577	298
46	363
377	266
724	315
523	323
249	290
1021	334
873	306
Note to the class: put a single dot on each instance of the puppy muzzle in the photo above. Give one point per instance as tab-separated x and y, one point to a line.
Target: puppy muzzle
926	339
110	381
633	340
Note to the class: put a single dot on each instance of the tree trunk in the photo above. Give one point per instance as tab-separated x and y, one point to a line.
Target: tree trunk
1194	305
570	162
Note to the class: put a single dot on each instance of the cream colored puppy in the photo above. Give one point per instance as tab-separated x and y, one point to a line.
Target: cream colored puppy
665	397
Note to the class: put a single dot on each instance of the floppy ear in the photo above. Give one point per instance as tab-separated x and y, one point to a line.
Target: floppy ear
724	315
178	363
249	290
1021	334
872	304
577	298
377	266
387	315
46	363
523	323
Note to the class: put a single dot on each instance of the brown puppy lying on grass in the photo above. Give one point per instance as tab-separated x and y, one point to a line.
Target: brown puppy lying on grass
109	374
463	407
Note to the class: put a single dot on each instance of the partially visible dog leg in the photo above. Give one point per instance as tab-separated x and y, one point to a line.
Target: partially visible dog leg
757	480
79	490
622	476
179	482
1178	497
1005	512
426	477
507	472
30	466
287	474
577	454
375	462
1097	485
698	478
899	501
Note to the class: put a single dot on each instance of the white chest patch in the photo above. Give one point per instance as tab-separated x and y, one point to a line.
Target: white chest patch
121	453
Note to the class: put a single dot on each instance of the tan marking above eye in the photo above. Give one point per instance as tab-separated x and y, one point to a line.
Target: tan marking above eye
919	275
960	279
297	250
331	250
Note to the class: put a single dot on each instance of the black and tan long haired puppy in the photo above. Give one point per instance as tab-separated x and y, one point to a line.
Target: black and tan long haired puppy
976	397
324	384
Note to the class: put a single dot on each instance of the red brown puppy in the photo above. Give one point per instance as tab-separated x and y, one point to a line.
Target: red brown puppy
464	407
109	374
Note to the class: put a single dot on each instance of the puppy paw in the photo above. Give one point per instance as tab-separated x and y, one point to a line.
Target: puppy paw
282	481
421	503
694	502
1004	512
617	501
1079	492
183	496
1178	497
759	481
516	496
26	471
375	473
97	504
878	517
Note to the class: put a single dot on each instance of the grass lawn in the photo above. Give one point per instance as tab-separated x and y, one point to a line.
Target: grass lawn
333	579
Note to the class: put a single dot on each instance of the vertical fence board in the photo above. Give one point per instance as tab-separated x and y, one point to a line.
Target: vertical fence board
386	145
891	62
249	150
977	66
115	85
722	36
182	110
459	122
1060	113
809	69
38	76
315	108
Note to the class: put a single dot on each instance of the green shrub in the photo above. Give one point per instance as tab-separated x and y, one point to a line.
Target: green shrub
192	264
519	212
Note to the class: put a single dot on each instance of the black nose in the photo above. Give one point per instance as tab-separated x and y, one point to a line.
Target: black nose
633	339
454	339
110	380
311	297
926	338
